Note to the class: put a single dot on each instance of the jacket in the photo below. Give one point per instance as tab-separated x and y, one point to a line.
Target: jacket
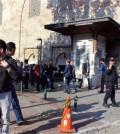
14	73
6	78
111	74
68	71
86	68
73	72
49	70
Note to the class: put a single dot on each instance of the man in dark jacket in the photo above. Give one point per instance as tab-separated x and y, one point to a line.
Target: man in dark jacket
49	74
73	75
68	75
7	74
110	78
102	70
26	72
15	102
86	73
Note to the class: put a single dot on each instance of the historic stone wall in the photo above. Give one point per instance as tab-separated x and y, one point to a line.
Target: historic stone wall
37	13
70	10
32	24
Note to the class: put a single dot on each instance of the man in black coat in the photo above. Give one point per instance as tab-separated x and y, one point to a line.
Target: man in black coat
73	75
11	47
68	75
110	78
7	74
49	70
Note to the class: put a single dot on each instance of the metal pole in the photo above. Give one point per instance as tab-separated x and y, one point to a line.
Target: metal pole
21	87
21	26
45	93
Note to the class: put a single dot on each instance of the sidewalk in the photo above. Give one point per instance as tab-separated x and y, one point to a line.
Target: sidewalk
91	116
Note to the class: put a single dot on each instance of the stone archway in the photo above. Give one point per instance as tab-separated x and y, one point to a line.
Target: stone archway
61	59
60	53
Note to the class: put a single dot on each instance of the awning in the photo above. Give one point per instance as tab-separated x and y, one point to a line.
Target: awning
103	26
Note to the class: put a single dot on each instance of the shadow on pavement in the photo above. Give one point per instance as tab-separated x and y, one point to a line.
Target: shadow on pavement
80	119
85	107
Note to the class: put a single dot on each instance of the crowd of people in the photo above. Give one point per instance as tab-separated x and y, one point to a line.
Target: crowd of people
41	76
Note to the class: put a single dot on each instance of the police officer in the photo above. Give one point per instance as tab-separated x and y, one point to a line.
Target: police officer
110	78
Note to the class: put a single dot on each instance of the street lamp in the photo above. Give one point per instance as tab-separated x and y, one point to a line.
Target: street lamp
20	32
39	39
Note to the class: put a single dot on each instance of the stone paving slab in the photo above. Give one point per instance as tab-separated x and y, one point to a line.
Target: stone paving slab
91	116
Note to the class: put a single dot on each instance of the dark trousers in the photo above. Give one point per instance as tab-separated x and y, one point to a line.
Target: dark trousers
67	84
43	81
74	83
25	81
38	84
50	82
16	106
116	83
110	92
102	83
32	80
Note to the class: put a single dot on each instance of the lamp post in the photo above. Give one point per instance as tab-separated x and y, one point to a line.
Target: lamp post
39	39
21	17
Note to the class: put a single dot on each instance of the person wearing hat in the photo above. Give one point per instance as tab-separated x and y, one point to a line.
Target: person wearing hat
110	78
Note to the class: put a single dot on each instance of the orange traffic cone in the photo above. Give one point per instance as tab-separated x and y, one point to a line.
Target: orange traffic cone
66	122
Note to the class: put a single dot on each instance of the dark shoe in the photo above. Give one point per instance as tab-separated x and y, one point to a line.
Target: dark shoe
115	105
19	123
49	89
68	92
65	91
105	105
75	91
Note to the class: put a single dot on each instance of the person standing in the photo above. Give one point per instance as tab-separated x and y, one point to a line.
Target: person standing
37	76
73	75
26	71
102	70
10	51
49	74
86	73
110	78
32	74
68	75
7	74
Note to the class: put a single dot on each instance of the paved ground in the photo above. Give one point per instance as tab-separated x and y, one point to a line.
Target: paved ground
91	117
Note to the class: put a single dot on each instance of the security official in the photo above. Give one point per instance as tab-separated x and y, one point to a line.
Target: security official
110	78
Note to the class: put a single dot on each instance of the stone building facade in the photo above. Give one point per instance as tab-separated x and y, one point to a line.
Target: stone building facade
22	21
